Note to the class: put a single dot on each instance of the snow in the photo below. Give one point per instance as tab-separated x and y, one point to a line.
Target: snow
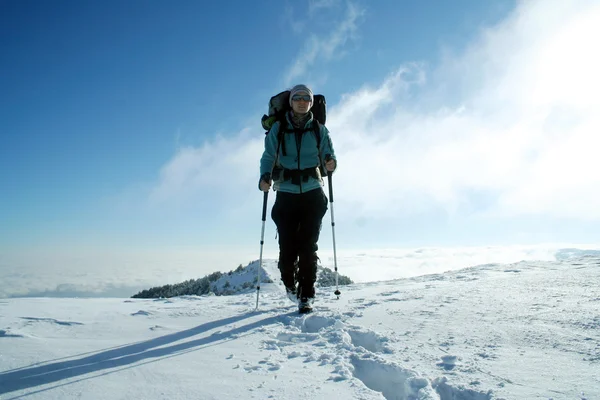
526	330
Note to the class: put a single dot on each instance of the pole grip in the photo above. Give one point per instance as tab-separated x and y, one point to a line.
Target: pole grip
264	207
329	178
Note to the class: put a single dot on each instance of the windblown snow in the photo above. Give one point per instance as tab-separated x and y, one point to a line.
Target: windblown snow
529	330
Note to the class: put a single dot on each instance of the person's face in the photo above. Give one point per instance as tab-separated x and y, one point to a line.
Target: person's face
301	103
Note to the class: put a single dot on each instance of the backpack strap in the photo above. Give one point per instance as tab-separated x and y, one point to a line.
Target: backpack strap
317	131
280	141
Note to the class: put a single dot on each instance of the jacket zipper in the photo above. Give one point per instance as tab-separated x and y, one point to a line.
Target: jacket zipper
298	136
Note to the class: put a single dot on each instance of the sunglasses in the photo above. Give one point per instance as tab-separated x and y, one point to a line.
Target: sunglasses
298	97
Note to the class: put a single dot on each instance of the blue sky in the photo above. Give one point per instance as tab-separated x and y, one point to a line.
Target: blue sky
135	124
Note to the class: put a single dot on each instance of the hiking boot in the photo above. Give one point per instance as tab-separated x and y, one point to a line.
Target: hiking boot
306	295
305	308
289	278
292	294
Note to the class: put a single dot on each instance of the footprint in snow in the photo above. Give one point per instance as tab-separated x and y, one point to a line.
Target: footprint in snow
316	323
386	294
288	338
274	367
362	304
395	299
448	362
393	381
141	312
446	391
252	368
353	314
157	327
397	383
4	334
265	365
52	320
370	341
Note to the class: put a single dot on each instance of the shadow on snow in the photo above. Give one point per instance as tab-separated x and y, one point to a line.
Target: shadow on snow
149	350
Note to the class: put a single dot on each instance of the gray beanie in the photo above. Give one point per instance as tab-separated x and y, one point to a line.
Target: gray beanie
301	88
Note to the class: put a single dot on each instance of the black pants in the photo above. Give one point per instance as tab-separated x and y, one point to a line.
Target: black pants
298	218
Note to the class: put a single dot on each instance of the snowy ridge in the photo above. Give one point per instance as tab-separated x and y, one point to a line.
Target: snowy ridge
519	331
243	280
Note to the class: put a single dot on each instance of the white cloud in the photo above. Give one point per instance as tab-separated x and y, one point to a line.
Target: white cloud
315	6
325	48
226	166
524	132
121	272
291	21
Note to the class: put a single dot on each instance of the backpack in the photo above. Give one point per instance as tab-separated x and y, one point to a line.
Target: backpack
279	105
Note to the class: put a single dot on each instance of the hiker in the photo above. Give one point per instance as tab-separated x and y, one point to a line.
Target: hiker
293	164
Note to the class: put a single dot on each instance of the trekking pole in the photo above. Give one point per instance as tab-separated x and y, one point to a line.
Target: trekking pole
262	242
329	174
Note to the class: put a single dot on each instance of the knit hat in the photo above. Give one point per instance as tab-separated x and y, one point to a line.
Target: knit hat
301	89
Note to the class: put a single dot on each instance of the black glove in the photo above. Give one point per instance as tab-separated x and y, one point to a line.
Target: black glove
266	177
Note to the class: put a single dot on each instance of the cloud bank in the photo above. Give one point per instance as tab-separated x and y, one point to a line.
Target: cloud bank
506	128
122	274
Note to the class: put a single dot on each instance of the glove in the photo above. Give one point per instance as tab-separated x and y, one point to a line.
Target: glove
265	182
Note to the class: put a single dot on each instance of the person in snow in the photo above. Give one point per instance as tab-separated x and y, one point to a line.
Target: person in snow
300	203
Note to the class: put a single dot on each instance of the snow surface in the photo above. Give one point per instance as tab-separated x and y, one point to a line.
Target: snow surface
528	330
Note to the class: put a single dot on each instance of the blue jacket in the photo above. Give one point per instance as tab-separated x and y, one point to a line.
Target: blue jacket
296	159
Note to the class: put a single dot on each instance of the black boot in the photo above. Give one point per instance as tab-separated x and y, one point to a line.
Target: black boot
306	297
307	276
289	279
